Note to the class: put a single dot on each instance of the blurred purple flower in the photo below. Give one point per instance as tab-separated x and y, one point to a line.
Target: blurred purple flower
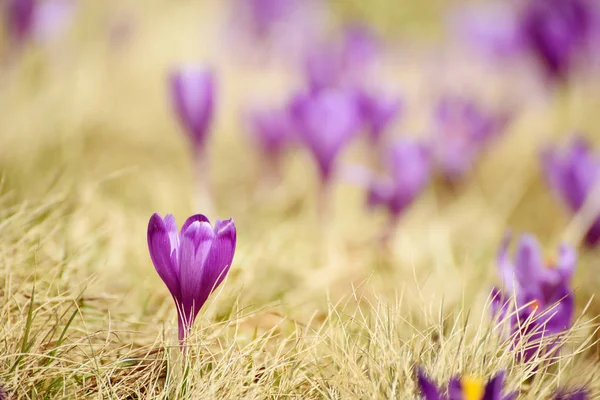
542	290
492	29
325	122
19	19
52	18
3	394
193	96
262	15
378	112
344	62
272	130
465	388
42	20
573	176
193	262
409	173
462	131
560	32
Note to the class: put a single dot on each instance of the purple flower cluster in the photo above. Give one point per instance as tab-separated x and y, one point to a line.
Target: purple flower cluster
536	298
559	35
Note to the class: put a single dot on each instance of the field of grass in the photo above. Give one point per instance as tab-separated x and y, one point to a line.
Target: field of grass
311	309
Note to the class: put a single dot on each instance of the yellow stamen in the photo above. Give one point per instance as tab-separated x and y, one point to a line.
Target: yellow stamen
472	388
550	262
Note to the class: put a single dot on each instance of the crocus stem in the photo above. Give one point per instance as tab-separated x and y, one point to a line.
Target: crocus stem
389	231
324	198
203	201
271	169
324	221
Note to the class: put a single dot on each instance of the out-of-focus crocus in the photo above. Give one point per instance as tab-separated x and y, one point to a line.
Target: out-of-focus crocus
542	290
261	16
193	96
574	176
560	33
491	29
325	123
462	130
192	262
40	20
52	19
464	388
341	63
378	112
271	129
19	19
409	169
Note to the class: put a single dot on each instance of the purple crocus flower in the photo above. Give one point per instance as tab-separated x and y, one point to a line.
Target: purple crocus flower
574	175
462	131
34	19
378	112
19	18
559	32
542	291
325	123
192	262
193	96
491	29
341	63
271	129
464	388
262	15
409	173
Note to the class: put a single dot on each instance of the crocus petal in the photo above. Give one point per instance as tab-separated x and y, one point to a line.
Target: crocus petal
506	268
160	247
455	390
196	242
529	263
567	261
428	388
561	308
326	122
379	193
193	95
493	390
378	112
500	304
52	18
271	129
592	236
191	220
20	16
221	253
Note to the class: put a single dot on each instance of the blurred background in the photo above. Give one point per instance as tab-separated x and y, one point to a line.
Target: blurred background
88	116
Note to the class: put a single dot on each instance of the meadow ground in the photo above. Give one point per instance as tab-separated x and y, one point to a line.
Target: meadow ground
311	309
